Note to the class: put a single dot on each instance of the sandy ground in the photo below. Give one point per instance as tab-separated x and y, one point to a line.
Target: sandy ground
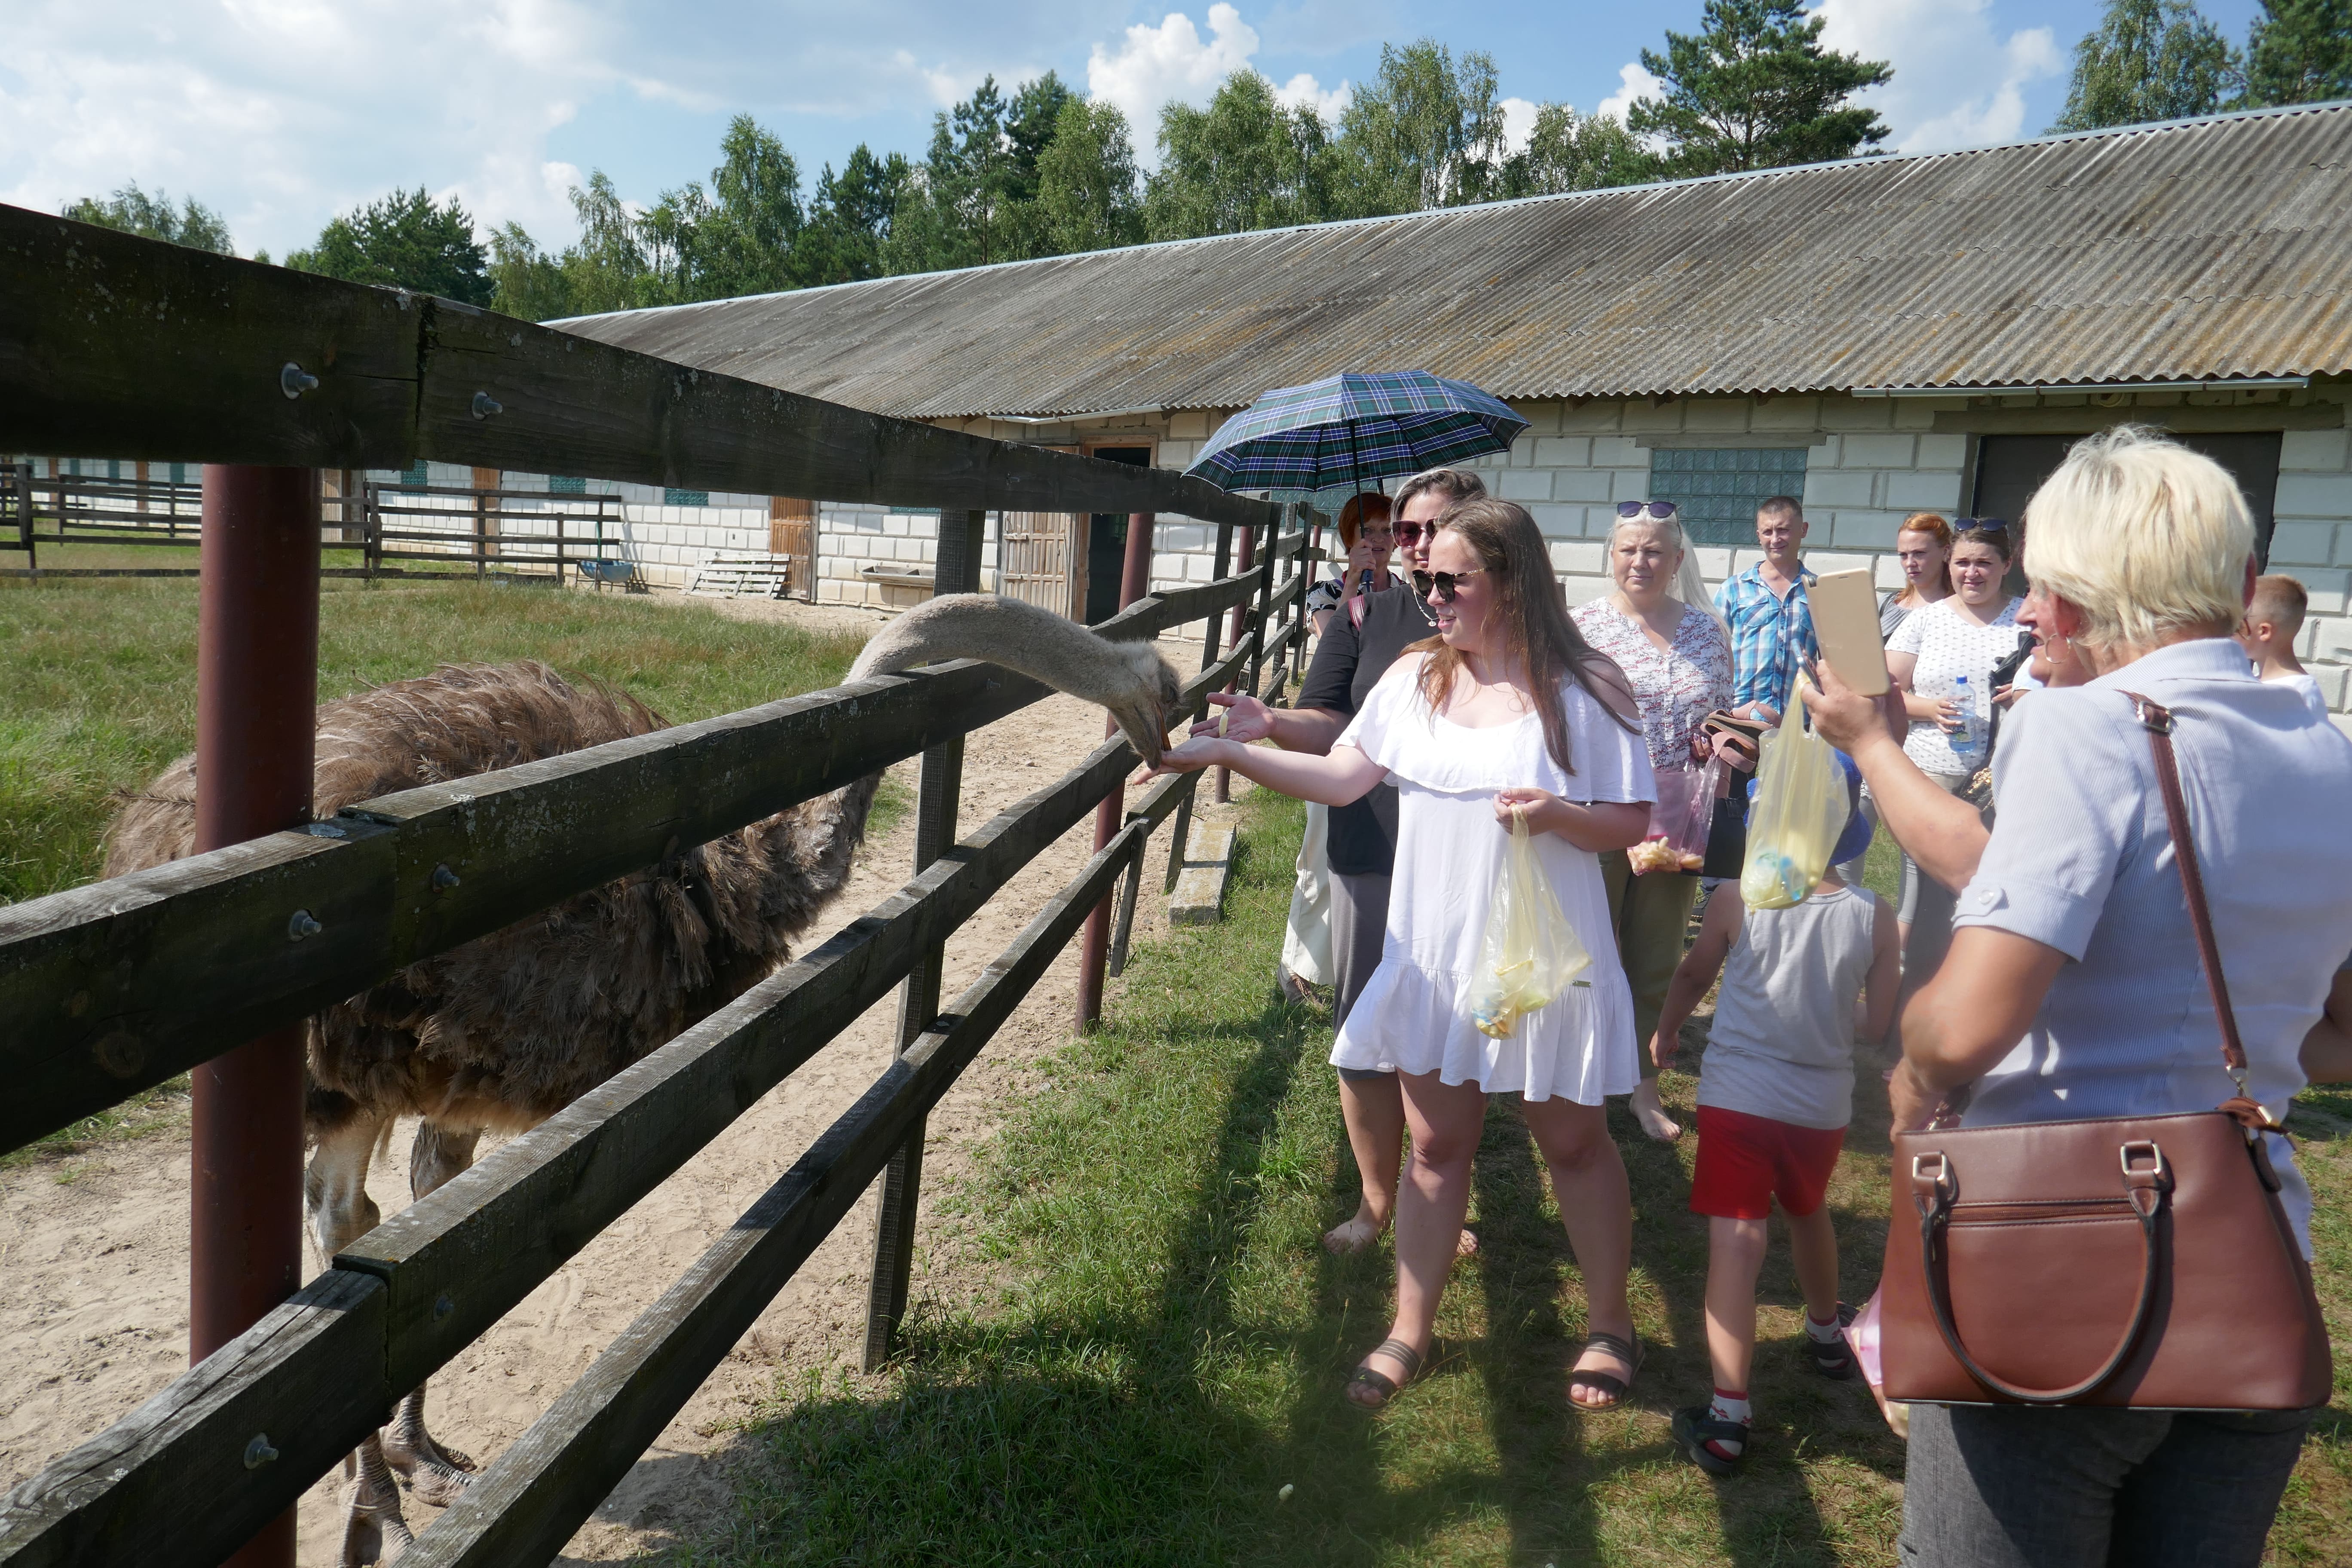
93	1251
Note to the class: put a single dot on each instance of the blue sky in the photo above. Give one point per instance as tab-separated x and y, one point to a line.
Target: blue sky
281	112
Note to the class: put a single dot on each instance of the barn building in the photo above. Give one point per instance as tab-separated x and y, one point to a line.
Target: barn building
1876	336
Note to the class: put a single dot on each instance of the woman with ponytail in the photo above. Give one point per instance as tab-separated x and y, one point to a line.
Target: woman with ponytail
1505	712
1661	629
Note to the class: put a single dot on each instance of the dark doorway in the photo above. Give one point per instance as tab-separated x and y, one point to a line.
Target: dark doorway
2010	469
1106	540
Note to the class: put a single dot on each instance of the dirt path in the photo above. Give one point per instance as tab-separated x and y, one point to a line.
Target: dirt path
93	1256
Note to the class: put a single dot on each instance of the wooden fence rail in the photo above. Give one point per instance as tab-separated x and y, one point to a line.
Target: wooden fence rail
156	352
178	1480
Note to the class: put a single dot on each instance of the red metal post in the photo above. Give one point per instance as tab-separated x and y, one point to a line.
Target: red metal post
1224	777
1094	953
257	693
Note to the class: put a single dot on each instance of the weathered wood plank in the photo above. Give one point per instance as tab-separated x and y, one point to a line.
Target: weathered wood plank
119	985
135	348
139	348
536	1494
180	1480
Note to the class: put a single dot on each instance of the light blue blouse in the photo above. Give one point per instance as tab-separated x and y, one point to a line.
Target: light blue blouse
2081	861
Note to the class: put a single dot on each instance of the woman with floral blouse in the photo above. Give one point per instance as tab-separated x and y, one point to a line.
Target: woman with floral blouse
1677	655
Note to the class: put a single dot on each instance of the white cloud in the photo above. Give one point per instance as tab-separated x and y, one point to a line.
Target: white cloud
1633	81
1151	66
1303	91
1518	123
1958	82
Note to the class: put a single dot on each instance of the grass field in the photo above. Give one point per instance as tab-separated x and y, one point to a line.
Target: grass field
1155	1375
102	694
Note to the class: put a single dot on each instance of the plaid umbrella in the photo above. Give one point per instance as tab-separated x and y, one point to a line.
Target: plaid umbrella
1321	442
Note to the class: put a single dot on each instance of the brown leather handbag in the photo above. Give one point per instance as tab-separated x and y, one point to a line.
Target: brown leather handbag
2133	1261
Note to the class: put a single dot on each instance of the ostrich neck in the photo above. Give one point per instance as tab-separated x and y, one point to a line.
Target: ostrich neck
1020	636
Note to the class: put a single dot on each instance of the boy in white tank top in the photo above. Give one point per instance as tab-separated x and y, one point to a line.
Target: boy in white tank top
1775	1093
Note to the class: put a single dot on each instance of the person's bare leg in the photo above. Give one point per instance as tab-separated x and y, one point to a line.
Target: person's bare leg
1813	1242
1373	1109
1596	1205
1651	1112
1734	1256
1445	1121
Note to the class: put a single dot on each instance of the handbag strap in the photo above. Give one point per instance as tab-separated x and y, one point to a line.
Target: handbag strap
2157	720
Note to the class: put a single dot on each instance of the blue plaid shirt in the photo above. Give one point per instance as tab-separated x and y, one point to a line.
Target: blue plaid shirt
1771	637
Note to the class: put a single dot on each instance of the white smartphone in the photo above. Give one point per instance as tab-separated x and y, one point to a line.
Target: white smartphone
1846	620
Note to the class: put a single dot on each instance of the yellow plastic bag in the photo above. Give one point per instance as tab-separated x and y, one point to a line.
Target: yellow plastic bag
1799	809
1529	953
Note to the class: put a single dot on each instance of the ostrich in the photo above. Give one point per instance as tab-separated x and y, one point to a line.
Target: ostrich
505	1031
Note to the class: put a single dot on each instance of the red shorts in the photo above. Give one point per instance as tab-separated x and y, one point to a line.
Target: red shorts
1745	1161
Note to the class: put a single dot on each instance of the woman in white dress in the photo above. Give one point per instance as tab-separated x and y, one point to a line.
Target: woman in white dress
1505	709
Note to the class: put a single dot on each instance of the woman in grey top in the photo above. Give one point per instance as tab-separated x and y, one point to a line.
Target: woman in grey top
2073	987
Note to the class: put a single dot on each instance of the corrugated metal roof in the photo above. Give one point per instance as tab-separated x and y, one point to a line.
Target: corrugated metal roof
2199	248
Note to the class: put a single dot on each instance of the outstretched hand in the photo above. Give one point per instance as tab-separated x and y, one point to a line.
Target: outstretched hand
1246	719
1845	717
1200	752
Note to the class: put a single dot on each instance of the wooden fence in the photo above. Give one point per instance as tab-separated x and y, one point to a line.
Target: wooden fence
114	987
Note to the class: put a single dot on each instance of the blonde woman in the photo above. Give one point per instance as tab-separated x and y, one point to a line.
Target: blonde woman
1664	635
1506	710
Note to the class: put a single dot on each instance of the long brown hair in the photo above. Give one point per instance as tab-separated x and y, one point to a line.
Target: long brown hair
1532	616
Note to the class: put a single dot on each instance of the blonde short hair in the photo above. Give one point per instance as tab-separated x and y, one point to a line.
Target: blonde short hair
2142	535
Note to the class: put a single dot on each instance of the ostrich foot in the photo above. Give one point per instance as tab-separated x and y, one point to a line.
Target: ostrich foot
375	1532
436	1475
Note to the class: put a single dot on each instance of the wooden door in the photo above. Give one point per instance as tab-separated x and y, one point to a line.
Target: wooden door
1040	559
792	531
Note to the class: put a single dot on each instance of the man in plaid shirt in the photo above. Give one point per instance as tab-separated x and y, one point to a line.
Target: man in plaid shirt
1771	624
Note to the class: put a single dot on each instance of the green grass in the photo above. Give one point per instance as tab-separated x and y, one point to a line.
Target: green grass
1162	1349
101	692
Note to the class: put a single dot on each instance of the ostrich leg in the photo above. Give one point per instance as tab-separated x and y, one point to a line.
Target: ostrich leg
334	1189
435	1474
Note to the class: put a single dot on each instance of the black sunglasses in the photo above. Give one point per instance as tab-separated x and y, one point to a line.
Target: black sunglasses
1442	584
1980	525
1656	511
1411	533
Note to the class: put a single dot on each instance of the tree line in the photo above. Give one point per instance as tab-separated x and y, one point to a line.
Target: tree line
1042	171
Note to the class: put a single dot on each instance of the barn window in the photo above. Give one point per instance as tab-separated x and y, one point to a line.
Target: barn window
566	485
671	496
2010	469
1719	488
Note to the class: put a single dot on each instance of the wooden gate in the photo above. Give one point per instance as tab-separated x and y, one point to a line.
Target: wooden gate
1041	558
792	531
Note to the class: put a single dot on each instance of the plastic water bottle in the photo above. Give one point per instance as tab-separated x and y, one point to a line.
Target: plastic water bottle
1968	739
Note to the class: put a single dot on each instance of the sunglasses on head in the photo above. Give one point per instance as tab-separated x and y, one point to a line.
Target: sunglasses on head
1442	585
1980	525
1656	511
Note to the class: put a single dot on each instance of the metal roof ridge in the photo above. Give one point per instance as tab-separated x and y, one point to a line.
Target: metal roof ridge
1879	160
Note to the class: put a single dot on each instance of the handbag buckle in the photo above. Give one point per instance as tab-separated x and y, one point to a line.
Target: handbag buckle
1941	1179
2156	1174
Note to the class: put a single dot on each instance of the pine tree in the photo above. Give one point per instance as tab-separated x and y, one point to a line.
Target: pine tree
133	211
1572	152
2147	59
525	280
1755	90
407	240
1424	132
849	218
2299	51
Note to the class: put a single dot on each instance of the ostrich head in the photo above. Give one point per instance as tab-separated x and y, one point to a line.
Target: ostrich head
1129	679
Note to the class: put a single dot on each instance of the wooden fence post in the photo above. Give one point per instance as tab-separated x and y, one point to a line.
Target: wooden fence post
256	692
938	796
1094	953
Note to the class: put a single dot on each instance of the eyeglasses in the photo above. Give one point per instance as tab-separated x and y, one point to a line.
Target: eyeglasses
1412	533
1980	525
1656	511
1442	585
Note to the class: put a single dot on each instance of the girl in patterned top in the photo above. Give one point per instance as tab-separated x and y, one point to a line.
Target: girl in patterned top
1661	628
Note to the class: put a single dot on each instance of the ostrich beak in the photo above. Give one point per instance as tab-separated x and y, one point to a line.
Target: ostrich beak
1144	726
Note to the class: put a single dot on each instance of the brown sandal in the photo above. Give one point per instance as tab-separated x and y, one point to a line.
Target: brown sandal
1378	1388
1606	1382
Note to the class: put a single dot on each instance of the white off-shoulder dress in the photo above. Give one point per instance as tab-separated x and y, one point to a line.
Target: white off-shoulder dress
1413	1015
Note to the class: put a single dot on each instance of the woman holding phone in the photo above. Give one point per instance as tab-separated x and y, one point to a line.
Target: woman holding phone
1661	631
1506	710
1367	540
